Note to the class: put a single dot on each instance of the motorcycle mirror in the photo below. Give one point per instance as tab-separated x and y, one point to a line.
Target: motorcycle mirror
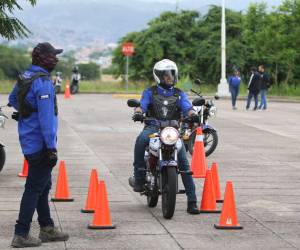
217	97
198	102
197	82
133	103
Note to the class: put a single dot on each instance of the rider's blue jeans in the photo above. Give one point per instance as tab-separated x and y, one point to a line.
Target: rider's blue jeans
139	150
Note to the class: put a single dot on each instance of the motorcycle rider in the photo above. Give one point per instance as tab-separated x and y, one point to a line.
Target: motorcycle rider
34	98
76	76
153	102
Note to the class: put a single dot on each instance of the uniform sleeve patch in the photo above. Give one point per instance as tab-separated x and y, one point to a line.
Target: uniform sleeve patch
43	97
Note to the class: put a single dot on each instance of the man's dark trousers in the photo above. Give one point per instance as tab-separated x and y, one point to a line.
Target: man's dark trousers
35	196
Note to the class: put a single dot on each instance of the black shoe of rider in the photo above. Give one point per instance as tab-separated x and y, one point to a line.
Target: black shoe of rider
192	208
131	181
137	187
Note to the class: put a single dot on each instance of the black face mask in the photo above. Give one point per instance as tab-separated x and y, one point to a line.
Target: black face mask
46	61
166	86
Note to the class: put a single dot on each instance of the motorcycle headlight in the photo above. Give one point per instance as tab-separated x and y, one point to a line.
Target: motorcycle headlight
2	121
169	136
212	111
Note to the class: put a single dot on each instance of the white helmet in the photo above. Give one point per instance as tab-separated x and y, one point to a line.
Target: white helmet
162	67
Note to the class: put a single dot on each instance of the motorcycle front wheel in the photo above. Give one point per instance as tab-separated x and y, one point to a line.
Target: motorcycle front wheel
152	200
210	140
2	157
169	191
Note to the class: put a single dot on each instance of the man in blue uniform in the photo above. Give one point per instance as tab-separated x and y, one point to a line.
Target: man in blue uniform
163	102
34	98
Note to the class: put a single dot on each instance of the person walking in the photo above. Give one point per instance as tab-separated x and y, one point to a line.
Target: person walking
234	86
34	98
265	84
253	88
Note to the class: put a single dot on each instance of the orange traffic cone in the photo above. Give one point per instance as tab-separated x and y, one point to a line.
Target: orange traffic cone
102	218
198	164
25	169
208	202
67	90
215	178
62	188
92	193
228	218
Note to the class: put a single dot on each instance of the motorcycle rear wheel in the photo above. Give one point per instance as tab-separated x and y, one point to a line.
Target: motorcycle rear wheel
2	157
210	141
169	191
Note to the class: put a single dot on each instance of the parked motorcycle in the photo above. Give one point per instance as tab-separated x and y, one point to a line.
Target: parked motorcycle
161	165
205	109
2	150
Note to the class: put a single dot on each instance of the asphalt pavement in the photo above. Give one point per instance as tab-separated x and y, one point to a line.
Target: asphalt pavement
257	151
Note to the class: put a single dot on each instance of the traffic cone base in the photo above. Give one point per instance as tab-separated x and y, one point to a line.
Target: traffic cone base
25	170
238	227
87	211
62	200
210	211
101	227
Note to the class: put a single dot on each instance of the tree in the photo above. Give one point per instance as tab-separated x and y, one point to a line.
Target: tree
10	26
89	71
13	61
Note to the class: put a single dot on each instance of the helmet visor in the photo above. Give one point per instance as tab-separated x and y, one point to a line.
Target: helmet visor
166	76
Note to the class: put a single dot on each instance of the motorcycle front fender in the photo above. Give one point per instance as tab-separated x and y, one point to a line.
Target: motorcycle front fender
208	127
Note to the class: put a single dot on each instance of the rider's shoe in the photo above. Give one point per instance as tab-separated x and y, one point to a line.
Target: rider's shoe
137	187
192	208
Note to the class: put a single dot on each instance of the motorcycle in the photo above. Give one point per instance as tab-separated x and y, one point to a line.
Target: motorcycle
74	88
161	165
205	109
2	150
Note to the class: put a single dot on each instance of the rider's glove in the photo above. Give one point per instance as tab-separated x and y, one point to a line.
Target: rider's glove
138	117
194	118
52	157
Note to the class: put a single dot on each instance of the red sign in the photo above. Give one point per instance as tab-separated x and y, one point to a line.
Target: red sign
128	49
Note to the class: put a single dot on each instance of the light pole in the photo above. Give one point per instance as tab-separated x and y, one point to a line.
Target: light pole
223	88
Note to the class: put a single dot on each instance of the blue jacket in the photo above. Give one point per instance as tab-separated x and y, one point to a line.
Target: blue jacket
39	130
183	101
234	81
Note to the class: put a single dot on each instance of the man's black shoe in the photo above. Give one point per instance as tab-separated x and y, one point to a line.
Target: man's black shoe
137	187
192	208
